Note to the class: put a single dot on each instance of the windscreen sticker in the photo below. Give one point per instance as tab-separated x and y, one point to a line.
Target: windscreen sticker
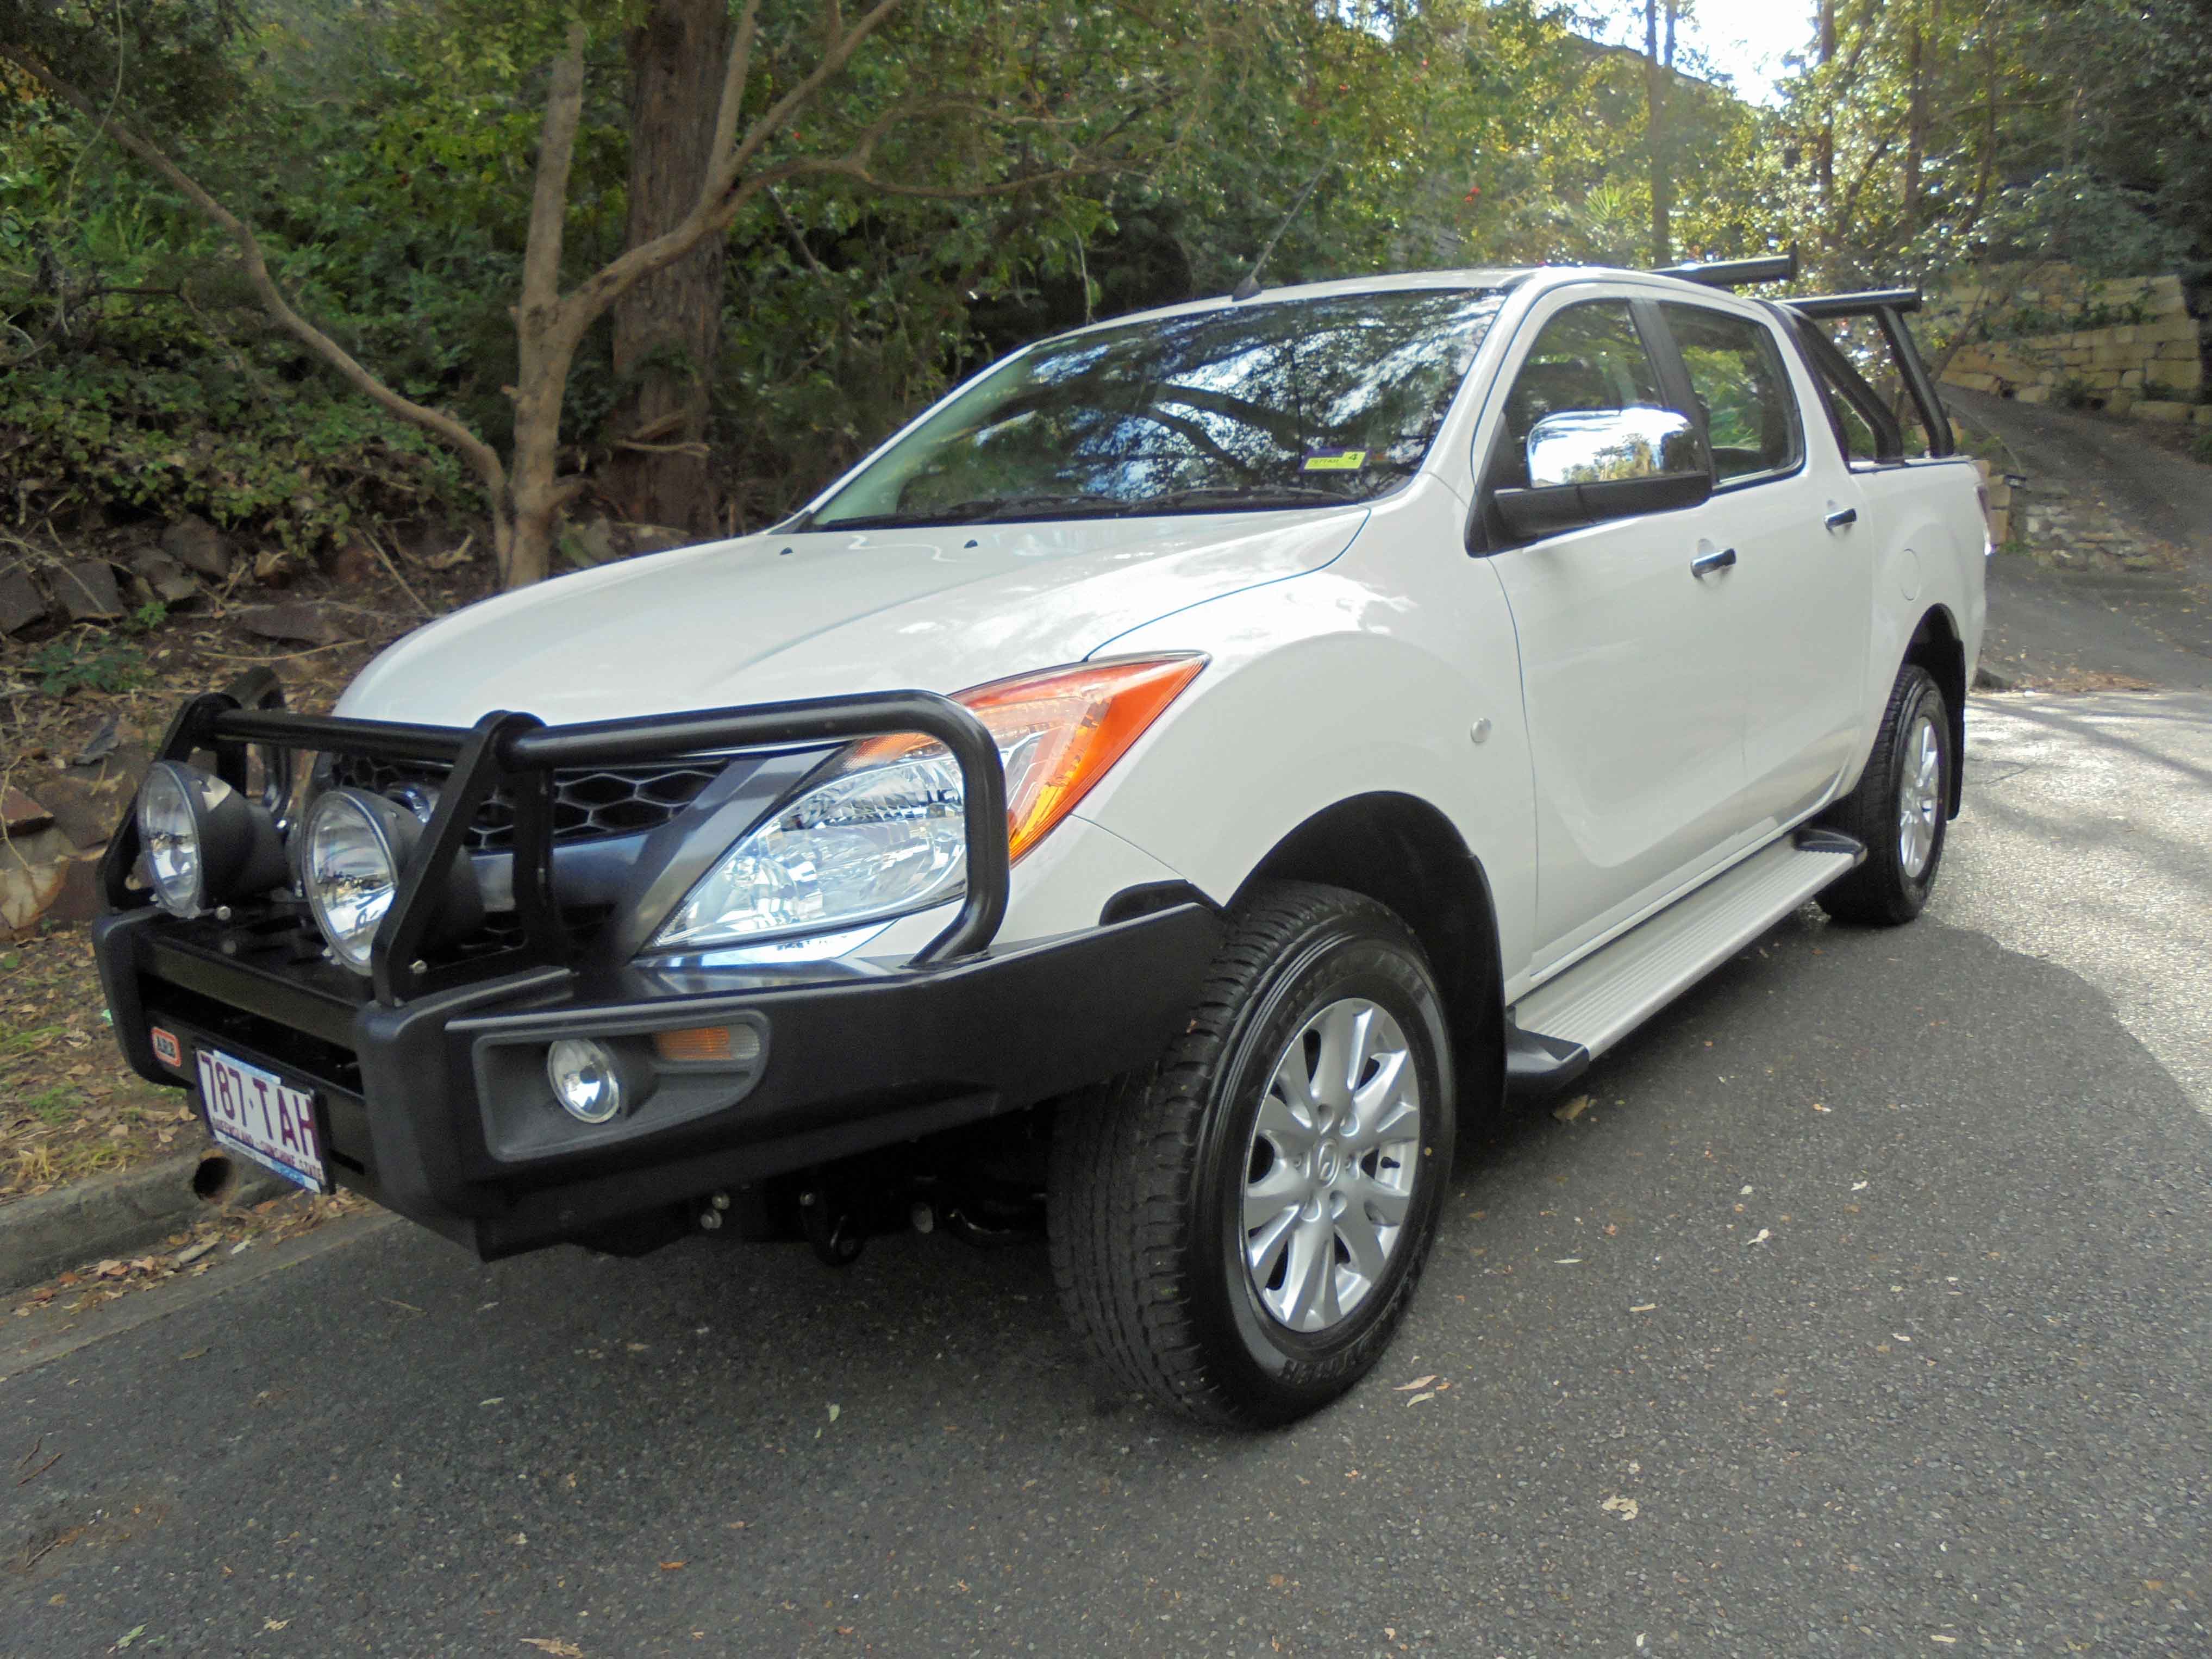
1334	461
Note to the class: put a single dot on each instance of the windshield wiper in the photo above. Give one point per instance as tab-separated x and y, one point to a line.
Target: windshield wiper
1080	504
1266	495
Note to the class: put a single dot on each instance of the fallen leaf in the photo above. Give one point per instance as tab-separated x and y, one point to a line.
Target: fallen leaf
275	1624
1643	1307
193	1353
1858	1186
130	1636
1624	1507
834	1413
554	1645
1898	1336
1573	1109
670	1566
1566	1262
186	1257
519	1538
496	1399
1418	1383
1763	1235
1946	1641
1417	1398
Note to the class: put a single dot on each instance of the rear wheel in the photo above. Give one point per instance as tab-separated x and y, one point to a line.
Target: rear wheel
1236	1232
1901	808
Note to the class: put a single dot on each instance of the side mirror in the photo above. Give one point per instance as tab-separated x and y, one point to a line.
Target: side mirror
1586	466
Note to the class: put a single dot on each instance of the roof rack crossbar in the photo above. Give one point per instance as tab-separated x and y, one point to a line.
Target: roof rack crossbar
1856	305
1736	273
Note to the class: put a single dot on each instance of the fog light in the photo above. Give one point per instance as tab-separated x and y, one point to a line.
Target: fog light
587	1079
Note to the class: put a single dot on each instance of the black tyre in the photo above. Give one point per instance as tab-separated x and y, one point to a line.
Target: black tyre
1237	1232
1900	809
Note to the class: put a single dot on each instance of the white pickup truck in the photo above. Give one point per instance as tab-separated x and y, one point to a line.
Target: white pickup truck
1171	783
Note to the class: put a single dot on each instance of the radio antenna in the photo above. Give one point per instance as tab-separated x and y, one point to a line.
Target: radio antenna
1250	284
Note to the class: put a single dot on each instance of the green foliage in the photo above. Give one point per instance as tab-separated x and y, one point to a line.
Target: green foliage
2201	444
90	662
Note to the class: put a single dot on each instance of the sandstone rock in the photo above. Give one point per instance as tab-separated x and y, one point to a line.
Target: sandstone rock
21	603
26	890
86	589
76	896
194	542
2173	414
19	814
87	809
297	620
165	576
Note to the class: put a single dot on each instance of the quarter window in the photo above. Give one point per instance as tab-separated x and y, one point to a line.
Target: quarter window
1587	357
1736	372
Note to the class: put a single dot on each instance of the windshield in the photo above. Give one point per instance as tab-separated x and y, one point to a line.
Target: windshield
1305	402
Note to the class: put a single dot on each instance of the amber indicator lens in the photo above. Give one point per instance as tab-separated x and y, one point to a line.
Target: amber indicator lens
733	1045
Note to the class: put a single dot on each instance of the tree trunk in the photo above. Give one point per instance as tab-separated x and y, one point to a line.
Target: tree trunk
1825	148
1916	126
1656	72
667	329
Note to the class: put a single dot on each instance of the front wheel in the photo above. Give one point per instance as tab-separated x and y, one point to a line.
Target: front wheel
1901	808
1236	1232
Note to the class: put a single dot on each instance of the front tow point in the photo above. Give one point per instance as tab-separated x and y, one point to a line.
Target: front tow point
831	1229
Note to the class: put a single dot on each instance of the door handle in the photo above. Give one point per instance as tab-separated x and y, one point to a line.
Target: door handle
1706	563
1842	516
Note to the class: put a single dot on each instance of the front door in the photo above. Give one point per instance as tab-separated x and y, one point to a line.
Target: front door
1636	701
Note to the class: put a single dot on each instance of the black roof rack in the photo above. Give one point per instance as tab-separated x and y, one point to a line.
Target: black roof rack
1734	273
1870	302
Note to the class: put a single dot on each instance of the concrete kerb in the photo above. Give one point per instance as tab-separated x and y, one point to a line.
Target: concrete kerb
113	1215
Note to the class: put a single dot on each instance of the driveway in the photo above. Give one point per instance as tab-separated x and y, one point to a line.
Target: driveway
2068	628
1863	1310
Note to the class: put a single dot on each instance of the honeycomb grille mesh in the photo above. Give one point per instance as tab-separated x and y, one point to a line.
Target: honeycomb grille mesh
589	803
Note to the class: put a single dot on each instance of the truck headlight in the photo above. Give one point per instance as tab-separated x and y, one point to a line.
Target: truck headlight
881	834
205	844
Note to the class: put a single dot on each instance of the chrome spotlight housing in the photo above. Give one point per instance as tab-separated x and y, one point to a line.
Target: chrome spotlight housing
206	844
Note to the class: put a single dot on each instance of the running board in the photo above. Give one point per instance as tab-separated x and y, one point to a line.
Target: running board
1554	1033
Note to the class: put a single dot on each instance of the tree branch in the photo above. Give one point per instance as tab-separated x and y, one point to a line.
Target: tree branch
719	195
549	197
733	89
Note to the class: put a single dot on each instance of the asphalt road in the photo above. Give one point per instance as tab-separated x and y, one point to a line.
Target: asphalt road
1865	1310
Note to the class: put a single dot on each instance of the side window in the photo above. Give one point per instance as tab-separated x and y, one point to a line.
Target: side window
1736	372
1587	357
1861	446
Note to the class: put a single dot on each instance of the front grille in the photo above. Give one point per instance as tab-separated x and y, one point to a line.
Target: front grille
589	803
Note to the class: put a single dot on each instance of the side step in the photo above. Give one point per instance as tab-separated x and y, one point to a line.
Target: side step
1553	1034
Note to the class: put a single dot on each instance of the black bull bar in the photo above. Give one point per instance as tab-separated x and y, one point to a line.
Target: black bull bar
518	754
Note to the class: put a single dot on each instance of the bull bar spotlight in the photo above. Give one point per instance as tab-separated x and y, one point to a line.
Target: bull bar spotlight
355	849
206	844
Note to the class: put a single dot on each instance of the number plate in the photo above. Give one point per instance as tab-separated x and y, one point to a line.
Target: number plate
258	1114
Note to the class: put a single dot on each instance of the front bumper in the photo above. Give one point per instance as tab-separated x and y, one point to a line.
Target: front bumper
438	1108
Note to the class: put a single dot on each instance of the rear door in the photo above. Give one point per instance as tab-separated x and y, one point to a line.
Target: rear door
1800	587
1630	664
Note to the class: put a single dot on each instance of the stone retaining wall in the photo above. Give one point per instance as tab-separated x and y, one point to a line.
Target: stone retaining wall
2109	366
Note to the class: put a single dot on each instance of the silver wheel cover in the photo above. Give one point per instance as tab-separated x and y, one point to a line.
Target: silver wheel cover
1329	1172
1919	797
